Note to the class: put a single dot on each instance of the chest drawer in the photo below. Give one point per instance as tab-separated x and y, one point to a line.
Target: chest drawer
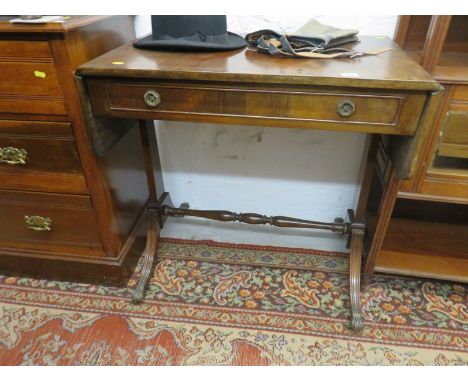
322	108
28	79
54	222
40	156
25	50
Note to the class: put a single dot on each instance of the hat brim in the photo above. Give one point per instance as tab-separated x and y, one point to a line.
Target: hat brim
233	41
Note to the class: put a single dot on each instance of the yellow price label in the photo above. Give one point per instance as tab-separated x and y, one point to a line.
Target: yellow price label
118	63
39	74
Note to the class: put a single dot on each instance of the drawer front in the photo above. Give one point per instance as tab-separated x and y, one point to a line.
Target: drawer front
454	131
382	113
28	79
54	222
40	157
32	105
25	50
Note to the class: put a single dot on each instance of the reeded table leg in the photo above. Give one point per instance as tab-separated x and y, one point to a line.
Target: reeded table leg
154	222
355	280
149	255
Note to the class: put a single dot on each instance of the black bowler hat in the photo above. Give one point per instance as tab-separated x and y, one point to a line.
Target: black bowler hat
190	33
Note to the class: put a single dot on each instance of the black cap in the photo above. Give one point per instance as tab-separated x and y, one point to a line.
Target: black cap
190	33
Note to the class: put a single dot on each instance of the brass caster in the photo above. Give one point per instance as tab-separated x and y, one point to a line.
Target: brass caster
356	323
137	297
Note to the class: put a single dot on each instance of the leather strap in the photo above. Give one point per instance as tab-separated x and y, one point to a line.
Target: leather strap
271	42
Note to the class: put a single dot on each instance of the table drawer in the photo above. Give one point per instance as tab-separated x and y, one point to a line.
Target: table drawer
40	156
40	221
317	108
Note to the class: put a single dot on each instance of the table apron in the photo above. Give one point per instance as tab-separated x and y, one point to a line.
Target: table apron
378	112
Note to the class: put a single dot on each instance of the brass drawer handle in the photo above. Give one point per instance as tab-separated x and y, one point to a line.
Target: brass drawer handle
346	108
152	98
38	223
12	155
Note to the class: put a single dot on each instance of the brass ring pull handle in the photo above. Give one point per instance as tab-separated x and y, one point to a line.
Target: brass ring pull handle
346	108
38	223
12	155
152	98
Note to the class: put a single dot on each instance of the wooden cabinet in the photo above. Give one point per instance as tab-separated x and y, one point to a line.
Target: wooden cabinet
60	204
427	229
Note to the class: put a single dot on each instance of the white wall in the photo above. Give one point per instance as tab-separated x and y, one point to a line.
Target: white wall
300	173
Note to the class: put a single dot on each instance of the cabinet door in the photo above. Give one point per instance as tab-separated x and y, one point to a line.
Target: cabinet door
454	135
447	173
454	129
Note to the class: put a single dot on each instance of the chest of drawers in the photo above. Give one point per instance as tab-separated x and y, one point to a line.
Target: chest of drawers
63	210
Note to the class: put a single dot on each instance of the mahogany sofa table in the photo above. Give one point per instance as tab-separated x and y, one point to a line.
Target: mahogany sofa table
385	95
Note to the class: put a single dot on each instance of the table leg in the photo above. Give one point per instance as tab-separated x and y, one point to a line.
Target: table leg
154	221
149	255
387	203
357	240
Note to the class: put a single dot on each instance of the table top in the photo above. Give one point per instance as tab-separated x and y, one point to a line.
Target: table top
393	69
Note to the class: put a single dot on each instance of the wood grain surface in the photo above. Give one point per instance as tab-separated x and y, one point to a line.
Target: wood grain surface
392	69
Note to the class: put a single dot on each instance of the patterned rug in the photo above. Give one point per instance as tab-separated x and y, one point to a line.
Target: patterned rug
222	304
